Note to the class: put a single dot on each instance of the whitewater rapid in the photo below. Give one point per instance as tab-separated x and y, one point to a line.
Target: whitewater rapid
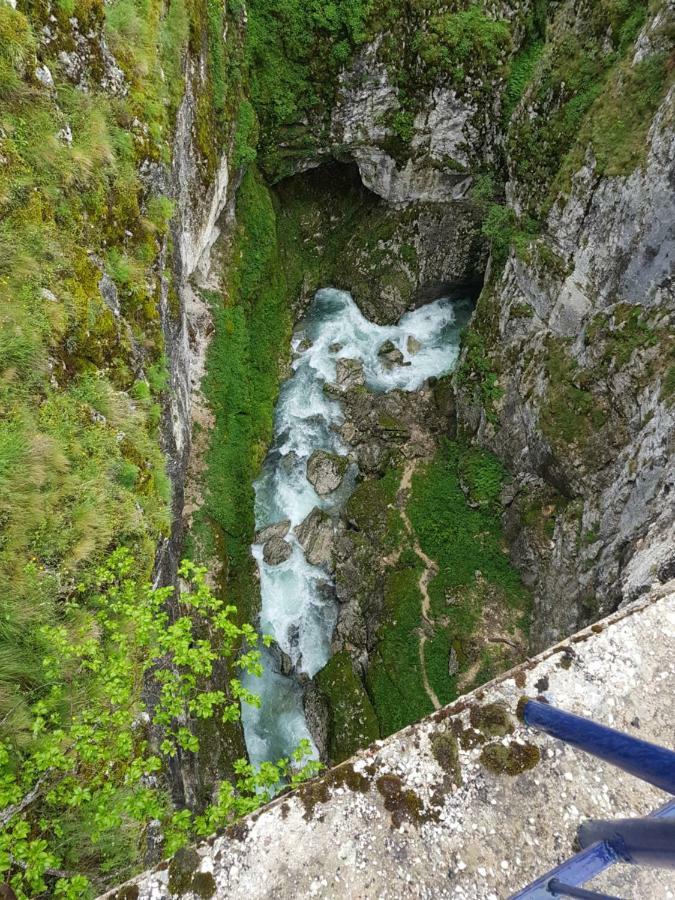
298	607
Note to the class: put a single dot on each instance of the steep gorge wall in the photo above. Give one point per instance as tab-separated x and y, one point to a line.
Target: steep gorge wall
575	335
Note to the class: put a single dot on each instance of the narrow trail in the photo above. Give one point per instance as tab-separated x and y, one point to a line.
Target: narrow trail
430	570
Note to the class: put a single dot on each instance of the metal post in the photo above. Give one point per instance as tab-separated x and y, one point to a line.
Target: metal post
643	842
651	763
558	889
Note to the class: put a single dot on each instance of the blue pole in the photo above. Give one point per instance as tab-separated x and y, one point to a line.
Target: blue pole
643	842
558	889
651	763
583	866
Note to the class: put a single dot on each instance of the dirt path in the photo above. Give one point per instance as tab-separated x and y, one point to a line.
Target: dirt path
430	570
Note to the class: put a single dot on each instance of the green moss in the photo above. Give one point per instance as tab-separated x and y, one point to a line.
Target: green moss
667	393
353	723
492	720
446	753
457	43
474	580
294	52
622	332
572	413
371	509
468	545
182	869
510	760
403	804
573	74
521	69
617	124
394	676
476	373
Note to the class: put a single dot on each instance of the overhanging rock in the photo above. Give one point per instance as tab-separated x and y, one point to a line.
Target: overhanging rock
432	811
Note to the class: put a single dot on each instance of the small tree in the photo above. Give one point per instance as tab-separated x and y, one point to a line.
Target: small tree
77	804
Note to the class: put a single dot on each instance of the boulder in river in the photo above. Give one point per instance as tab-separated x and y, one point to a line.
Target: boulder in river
278	529
325	471
349	373
412	344
276	550
390	355
316	536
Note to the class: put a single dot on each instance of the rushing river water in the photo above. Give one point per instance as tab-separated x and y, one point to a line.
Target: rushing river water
298	605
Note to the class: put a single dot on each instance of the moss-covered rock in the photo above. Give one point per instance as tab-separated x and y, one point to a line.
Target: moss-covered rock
352	720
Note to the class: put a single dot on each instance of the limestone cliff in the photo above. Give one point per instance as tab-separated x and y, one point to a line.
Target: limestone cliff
574	336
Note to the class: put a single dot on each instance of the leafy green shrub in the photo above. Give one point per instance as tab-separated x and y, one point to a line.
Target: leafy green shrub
455	42
85	791
294	50
521	69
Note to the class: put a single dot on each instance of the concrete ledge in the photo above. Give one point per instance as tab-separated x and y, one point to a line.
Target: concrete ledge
395	821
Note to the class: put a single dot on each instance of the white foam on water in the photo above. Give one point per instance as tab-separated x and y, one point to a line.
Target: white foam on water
298	608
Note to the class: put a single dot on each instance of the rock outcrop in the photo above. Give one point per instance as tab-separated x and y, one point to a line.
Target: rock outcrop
276	551
575	337
316	534
325	471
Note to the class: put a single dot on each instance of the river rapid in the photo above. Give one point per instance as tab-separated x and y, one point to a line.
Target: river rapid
298	606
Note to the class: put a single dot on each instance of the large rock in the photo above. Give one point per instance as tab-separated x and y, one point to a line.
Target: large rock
325	471
278	529
349	373
390	355
276	551
316	535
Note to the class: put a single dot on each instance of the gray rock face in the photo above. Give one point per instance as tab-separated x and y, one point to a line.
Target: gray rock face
582	332
378	427
316	535
278	529
423	251
349	373
325	471
276	551
367	99
390	355
317	716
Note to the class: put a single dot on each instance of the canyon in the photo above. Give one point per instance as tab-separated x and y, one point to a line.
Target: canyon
203	177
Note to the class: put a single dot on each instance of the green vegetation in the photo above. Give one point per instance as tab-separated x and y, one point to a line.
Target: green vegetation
617	124
456	43
577	412
353	722
80	389
252	334
82	377
521	70
583	93
456	515
294	51
572	413
476	373
621	333
372	507
394	679
477	593
81	796
511	759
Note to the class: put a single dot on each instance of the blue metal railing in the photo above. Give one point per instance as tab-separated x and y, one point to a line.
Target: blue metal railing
649	841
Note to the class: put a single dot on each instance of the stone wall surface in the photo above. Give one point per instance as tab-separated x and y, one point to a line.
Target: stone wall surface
420	815
578	331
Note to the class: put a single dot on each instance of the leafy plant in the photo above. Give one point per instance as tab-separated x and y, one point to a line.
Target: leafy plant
91	768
